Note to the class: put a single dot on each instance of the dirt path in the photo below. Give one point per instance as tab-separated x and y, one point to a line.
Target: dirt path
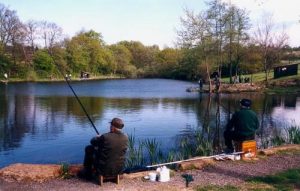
222	173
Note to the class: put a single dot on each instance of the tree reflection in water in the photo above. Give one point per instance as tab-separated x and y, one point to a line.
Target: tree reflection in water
180	127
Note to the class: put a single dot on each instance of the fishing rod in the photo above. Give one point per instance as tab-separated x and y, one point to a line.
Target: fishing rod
77	98
193	159
80	103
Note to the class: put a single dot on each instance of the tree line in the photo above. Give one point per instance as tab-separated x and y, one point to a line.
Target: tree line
214	40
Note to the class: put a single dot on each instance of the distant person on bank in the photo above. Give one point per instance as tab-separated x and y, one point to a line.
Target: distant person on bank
106	154
242	125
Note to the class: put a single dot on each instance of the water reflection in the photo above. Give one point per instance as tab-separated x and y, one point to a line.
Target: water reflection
33	123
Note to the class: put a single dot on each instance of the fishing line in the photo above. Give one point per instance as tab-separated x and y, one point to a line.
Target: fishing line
82	107
77	98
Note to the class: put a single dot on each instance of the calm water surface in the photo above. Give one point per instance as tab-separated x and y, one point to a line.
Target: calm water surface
43	123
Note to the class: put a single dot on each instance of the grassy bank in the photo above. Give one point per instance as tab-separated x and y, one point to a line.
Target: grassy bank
99	77
289	84
287	180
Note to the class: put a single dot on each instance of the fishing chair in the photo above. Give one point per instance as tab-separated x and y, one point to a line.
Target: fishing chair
247	147
115	179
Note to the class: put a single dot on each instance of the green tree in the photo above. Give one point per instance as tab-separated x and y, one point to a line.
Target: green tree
195	36
87	52
123	59
168	62
143	57
237	24
43	63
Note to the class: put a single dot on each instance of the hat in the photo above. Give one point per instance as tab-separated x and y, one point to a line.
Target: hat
117	122
245	102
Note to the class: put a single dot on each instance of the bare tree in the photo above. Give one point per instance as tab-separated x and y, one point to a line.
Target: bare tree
32	33
50	33
11	28
270	42
12	33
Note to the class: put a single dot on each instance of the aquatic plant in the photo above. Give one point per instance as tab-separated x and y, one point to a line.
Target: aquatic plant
294	135
135	154
195	143
151	145
277	140
291	136
64	171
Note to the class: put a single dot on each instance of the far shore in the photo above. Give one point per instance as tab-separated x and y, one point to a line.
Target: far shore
61	79
279	86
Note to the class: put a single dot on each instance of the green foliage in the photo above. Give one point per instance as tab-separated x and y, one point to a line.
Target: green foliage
123	59
43	62
294	135
217	188
287	180
64	171
277	140
167	62
152	146
196	143
86	52
134	155
5	63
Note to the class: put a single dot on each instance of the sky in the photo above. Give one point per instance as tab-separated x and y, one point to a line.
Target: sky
148	21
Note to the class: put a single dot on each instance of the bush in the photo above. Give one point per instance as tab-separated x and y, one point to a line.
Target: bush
42	61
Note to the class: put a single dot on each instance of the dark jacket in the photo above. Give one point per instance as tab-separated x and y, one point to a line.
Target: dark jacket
243	122
110	158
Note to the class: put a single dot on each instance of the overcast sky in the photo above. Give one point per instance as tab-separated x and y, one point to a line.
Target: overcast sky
149	21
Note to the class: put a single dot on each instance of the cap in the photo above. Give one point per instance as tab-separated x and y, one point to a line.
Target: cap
245	102
117	122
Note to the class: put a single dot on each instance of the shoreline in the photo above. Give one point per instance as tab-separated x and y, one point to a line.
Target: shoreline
18	80
221	173
282	87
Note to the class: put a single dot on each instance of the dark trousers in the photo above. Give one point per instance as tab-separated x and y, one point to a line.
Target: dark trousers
89	158
230	136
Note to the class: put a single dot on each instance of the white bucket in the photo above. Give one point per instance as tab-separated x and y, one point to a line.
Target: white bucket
164	175
152	176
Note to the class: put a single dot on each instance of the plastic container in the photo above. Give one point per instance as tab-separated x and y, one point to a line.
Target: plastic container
152	176
164	175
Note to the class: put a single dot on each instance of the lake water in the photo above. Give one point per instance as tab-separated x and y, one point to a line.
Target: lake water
43	122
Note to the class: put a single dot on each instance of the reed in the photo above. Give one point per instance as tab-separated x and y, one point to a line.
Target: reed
294	135
135	154
152	147
197	143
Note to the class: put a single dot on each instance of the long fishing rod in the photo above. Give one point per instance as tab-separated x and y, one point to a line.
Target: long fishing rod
82	107
193	159
77	98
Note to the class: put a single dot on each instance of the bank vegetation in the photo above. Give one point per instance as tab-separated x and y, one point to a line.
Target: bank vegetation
215	41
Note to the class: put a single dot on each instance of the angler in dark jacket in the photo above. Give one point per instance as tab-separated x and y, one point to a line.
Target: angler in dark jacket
242	125
106	154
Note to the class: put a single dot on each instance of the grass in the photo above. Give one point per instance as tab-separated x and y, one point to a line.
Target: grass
260	77
281	90
284	181
217	188
287	180
257	77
